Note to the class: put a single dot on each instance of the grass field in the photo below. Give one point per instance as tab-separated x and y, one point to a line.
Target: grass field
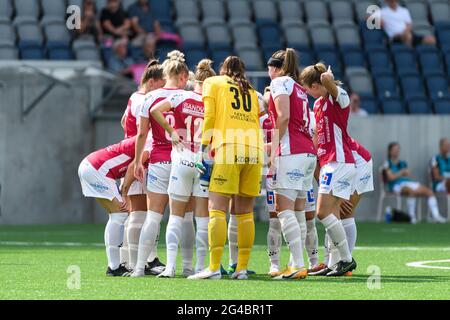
35	259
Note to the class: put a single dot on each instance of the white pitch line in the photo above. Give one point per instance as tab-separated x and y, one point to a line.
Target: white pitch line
98	244
423	264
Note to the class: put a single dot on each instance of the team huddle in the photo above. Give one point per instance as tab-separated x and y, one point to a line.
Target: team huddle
206	151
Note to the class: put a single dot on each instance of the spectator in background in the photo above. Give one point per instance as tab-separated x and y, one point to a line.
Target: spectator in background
119	61
145	27
398	177
440	167
396	22
115	21
355	106
90	26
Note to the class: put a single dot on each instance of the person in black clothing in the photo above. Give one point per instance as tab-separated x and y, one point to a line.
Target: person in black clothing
115	21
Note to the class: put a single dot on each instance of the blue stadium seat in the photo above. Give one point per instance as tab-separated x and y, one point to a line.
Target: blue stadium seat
354	58
372	38
419	106
322	35
31	52
59	53
270	36
393	106
218	36
447	61
264	11
370	104
192	35
442	106
386	86
431	62
412	87
162	9
438	87
8	52
444	38
379	61
330	57
194	56
218	56
6	10
306	58
405	60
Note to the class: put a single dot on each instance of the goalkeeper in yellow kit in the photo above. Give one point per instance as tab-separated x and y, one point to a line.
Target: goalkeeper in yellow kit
232	132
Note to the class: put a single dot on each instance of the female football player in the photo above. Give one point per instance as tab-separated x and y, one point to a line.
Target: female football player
293	154
337	172
188	110
176	74
231	127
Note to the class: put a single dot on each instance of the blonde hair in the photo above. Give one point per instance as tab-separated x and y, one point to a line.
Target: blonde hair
153	70
174	65
311	74
204	70
289	65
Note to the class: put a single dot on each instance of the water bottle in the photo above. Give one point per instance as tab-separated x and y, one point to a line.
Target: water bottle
388	214
205	177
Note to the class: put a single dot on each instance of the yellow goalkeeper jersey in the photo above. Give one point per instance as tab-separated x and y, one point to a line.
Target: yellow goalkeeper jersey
233	117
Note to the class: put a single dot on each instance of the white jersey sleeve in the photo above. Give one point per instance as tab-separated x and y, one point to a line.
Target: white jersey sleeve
312	124
342	98
145	107
280	86
177	98
261	102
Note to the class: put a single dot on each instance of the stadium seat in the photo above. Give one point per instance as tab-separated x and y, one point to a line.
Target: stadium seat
444	38
393	106
192	35
218	37
239	11
54	8
31	52
379	61
291	11
372	38
194	56
419	106
330	57
57	33
270	36
218	56
87	54
252	59
347	36
447	61
405	60
370	104
322	36
438	87
127	3
316	10
423	29
359	81
8	52
8	34
306	58
163	10
29	33
264	11
213	11
59	53
341	10
353	58
440	11
100	4
6	10
412	87
76	3
83	43
361	8
418	11
27	8
244	36
297	37
442	106
186	11
431	62
386	86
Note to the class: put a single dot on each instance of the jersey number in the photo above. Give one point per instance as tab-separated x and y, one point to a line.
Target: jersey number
171	120
246	100
198	126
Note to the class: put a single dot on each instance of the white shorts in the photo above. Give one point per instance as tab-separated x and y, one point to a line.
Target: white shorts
338	179
440	187
270	195
96	185
413	185
158	177
295	173
137	188
364	176
310	201
184	177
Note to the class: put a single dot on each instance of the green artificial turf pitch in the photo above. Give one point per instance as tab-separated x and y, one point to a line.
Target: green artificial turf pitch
35	261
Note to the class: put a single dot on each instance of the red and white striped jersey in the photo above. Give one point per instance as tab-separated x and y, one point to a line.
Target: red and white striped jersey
188	110
359	151
297	138
132	114
333	141
161	145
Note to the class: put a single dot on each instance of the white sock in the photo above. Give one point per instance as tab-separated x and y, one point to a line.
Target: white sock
337	234
136	221
301	218
312	243
188	240
201	242
232	239
148	237
173	237
124	249
433	205
334	256
114	238
326	249
154	251
292	236
411	203
350	231
274	242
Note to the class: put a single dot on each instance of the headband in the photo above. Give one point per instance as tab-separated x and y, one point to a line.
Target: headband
275	62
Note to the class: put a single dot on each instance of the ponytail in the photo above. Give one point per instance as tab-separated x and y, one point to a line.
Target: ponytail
153	70
287	61
311	74
174	65
234	67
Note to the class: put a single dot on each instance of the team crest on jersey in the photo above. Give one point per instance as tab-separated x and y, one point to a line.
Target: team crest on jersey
220	180
310	196
270	198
